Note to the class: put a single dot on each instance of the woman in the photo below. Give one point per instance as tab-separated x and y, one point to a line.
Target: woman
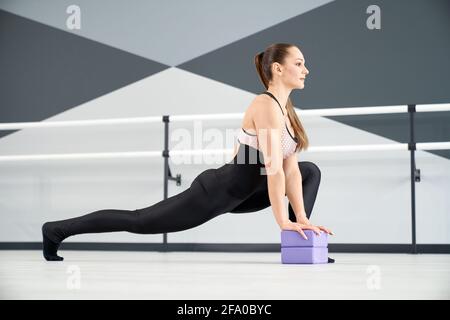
263	170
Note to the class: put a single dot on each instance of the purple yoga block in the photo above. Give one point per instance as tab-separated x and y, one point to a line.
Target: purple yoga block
294	239
307	255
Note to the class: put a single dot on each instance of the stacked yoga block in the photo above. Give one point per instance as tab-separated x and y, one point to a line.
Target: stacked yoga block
296	249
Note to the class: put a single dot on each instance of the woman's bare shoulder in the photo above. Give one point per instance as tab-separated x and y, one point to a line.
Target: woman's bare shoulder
262	108
260	103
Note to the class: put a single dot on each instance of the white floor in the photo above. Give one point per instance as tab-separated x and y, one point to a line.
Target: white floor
193	275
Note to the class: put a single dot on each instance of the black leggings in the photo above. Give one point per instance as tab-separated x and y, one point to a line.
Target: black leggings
231	188
310	185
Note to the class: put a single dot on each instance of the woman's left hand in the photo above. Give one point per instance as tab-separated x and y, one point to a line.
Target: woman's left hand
305	220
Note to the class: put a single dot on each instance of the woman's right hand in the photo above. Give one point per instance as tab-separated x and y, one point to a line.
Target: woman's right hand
299	227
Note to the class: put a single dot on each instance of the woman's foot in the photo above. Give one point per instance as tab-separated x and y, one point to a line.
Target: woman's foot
330	260
50	242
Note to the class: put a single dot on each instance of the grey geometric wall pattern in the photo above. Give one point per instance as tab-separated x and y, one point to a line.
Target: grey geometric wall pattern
352	66
168	31
46	71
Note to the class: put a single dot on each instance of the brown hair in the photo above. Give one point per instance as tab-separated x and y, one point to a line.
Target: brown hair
277	53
